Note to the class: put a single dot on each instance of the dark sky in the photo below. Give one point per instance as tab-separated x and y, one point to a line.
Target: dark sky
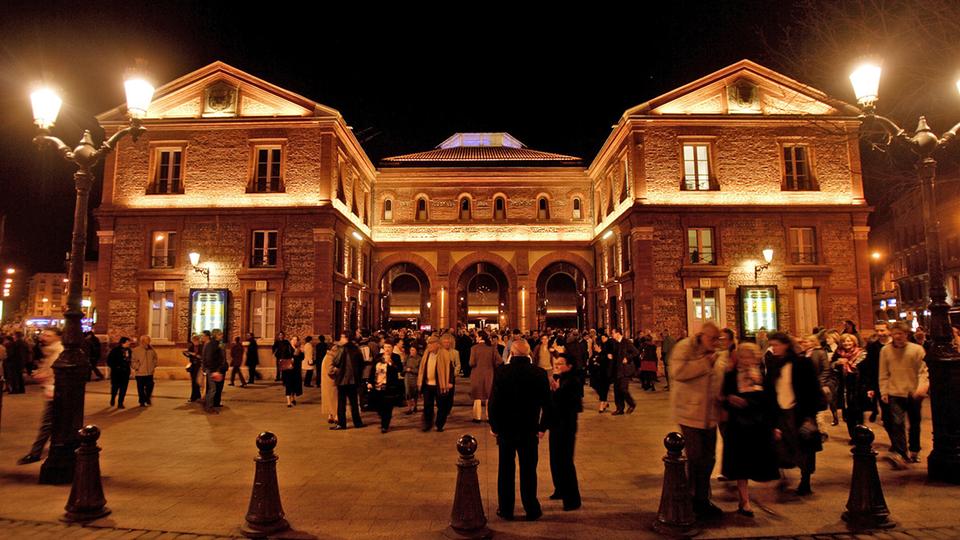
405	80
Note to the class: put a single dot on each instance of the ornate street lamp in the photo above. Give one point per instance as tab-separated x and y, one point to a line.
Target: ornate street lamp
195	263
72	368
943	360
767	256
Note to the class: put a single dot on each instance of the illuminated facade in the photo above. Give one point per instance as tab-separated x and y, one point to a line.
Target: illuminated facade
663	229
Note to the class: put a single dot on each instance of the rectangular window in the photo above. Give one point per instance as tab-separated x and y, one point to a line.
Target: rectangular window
700	245
86	280
264	249
161	315
266	178
696	167
703	305
263	313
803	245
168	171
626	252
807	311
796	168
162	249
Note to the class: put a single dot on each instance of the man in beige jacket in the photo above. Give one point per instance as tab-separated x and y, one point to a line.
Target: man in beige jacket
903	385
143	362
696	373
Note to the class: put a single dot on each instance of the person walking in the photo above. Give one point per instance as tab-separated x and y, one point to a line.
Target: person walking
648	364
667	342
604	370
143	362
625	361
253	359
212	361
51	347
748	450
411	370
221	380
319	353
119	363
696	369
385	385
542	356
16	363
856	390
309	361
290	370
348	370
434	382
194	354
870	369
566	403
328	385
904	383
236	361
94	350
483	363
519	417
281	351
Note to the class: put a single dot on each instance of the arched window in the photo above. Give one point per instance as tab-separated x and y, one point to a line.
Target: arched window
387	209
421	209
499	209
465	208
543	208
577	211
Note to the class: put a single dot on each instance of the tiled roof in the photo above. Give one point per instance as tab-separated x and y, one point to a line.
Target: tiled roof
481	154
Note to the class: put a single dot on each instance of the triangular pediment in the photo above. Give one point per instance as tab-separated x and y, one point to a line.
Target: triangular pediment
223	91
744	88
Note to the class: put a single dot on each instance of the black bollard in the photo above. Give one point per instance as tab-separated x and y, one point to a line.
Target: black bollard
265	514
86	502
467	519
866	507
675	517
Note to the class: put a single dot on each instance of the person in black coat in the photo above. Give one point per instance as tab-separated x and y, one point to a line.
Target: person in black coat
797	406
119	363
348	374
625	360
385	385
566	403
253	358
281	351
604	371
519	410
94	350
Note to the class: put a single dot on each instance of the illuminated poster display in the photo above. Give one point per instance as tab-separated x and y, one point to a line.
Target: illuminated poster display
208	310
758	309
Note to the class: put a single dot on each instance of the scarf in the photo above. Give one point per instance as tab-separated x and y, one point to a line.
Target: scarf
853	357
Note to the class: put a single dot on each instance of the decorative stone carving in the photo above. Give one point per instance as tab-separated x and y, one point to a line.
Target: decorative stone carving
105	237
641	233
220	99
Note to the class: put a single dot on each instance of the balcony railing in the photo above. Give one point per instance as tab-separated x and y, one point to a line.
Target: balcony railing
804	257
701	256
163	261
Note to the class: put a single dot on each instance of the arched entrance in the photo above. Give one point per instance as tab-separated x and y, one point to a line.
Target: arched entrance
562	302
483	297
405	297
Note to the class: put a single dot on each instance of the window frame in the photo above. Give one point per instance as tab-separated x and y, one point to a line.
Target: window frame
576	208
713	245
266	248
460	201
387	214
426	208
170	248
546	200
797	256
167	315
156	150
712	183
264	297
256	145
502	198
811	181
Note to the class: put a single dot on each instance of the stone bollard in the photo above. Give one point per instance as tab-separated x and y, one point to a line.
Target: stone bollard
866	507
467	519
86	501
675	517
265	514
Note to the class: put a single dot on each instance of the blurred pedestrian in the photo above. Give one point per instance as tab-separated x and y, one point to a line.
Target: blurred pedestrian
119	363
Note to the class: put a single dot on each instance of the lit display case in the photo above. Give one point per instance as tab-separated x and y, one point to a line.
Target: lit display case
758	309
208	310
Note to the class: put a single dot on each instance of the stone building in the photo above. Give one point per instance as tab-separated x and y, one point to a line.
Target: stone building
663	229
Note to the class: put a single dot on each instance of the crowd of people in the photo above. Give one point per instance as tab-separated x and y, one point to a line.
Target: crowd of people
768	398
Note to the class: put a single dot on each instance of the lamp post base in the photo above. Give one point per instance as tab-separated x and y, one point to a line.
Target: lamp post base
71	371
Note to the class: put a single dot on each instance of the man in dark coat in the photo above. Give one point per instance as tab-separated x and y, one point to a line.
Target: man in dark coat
16	362
94	350
625	360
463	345
870	368
349	373
567	403
519	411
119	363
253	358
213	361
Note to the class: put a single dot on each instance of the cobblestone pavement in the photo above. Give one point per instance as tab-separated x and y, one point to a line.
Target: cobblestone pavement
170	471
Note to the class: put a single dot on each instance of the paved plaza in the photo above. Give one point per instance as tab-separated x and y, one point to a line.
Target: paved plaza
171	469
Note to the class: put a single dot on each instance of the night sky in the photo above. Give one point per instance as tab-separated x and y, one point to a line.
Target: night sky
405	80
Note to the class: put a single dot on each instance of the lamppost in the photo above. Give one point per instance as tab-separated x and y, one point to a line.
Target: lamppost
767	256
72	367
195	263
943	360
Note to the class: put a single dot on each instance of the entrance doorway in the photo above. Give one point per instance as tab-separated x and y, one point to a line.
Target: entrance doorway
405	299
483	297
561	297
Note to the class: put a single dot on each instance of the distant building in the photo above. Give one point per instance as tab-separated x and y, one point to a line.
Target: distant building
47	293
664	228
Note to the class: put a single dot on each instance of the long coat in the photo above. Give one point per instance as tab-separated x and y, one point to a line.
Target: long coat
483	362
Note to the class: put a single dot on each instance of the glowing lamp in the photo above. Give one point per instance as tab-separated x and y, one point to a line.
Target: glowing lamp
768	255
46	106
8	280
11	271
45	300
866	83
194	258
875	255
159	238
139	96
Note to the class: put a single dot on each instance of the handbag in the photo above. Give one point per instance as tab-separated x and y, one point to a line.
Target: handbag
286	363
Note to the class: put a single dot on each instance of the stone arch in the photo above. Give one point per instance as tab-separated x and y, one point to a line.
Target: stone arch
483	257
381	267
554	257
